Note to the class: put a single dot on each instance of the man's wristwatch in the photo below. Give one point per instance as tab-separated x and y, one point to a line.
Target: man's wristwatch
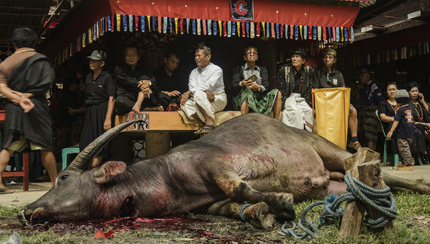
149	83
259	89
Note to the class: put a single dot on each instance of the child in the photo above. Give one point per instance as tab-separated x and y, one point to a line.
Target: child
405	120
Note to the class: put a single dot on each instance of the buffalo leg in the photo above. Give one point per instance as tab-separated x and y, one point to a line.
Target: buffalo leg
406	184
257	214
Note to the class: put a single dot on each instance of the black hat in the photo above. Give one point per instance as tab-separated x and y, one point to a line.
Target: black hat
299	51
402	96
97	55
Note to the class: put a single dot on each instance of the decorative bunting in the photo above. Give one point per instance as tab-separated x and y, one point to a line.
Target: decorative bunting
124	22
252	30
170	25
204	27
194	26
243	29
142	23
130	23
220	27
296	32
149	23
267	29
248	34
159	24
209	27
272	29
215	28
199	30
352	34
228	28
164	25
233	28
136	23
154	23
182	26
238	29
319	32
305	32
224	27
301	31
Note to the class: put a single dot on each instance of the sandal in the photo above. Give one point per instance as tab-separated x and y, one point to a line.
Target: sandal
205	129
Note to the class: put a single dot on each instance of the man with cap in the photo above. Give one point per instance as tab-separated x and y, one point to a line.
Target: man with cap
326	76
25	77
136	85
370	95
404	126
99	102
295	83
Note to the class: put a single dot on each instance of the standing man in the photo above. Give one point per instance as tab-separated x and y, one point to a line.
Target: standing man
327	76
370	95
170	85
206	93
25	77
135	85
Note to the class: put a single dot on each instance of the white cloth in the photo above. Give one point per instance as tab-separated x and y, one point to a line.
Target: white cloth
200	100
209	78
297	113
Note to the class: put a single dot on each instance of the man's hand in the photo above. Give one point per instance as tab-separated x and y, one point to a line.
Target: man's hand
26	104
146	92
143	84
185	98
172	93
254	86
389	134
247	82
210	96
107	125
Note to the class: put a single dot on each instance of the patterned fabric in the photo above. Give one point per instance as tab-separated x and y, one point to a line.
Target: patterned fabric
286	83
367	124
258	102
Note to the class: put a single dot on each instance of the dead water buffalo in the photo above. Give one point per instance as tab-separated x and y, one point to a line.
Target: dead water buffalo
252	158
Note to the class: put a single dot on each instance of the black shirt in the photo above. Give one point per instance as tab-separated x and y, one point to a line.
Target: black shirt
169	83
323	79
99	90
406	122
128	80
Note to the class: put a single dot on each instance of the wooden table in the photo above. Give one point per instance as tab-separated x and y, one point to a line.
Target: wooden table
157	136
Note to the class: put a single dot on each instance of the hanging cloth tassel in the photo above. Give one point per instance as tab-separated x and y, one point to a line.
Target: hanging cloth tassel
220	27
90	36
136	23
273	30
103	23
209	27
247	30
98	29
267	29
149	22
224	27
286	31
194	26
228	28
233	28
337	34
204	27
282	31
130	23
352	34
159	25
301	31
238	29
319	32
314	34
243	29
277	30
263	24
329	33
324	33
252	30
109	23
142	23
215	28
199	30
118	22
154	23
341	34
345	31
182	26
258	29
188	26
124	22
291	32
305	32
170	25
296	32
164	25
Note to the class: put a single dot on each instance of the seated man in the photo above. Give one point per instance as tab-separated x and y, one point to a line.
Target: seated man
326	76
251	82
206	93
170	85
135	85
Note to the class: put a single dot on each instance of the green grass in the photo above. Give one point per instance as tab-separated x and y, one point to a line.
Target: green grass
407	229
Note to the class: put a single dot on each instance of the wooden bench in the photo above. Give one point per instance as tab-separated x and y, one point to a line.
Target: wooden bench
157	137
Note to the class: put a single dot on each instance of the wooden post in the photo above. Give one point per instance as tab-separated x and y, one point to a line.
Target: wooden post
354	211
157	143
370	174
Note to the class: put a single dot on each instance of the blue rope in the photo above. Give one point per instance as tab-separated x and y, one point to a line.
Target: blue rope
332	210
242	208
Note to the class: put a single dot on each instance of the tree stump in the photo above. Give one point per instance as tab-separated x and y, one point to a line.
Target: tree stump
352	220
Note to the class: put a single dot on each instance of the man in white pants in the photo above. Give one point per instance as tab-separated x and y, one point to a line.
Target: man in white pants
206	93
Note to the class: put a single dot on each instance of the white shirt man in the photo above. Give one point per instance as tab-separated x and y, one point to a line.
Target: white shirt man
206	88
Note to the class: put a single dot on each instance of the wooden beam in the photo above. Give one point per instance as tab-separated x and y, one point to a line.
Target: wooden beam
15	7
29	26
20	14
48	23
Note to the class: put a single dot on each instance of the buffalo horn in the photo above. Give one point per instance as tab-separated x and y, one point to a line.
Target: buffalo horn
85	157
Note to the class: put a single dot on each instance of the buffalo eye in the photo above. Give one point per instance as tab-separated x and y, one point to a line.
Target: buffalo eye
63	177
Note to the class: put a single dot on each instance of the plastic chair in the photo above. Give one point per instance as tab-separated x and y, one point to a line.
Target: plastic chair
395	155
65	152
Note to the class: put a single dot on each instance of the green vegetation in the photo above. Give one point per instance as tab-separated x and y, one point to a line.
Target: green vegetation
411	226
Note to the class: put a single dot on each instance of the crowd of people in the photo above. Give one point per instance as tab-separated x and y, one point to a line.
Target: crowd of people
131	88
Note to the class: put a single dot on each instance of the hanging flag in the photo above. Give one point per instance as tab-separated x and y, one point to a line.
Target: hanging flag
258	29
296	32
118	22
291	31
224	27
238	29
215	28
109	23
220	27
286	31
124	22
199	30
142	23
252	30
209	27
301	31
243	29
188	26
194	26
159	24
228	28
267	29
282	31
149	23
204	27
247	29
242	9
154	23
136	22
164	25
130	23
277	31
170	25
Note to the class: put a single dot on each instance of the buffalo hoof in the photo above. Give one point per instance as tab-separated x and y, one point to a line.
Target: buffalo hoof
258	215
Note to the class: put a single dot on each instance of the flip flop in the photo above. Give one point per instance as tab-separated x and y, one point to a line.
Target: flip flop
205	129
5	191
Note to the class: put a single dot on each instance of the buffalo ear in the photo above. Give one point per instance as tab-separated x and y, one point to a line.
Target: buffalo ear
108	171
